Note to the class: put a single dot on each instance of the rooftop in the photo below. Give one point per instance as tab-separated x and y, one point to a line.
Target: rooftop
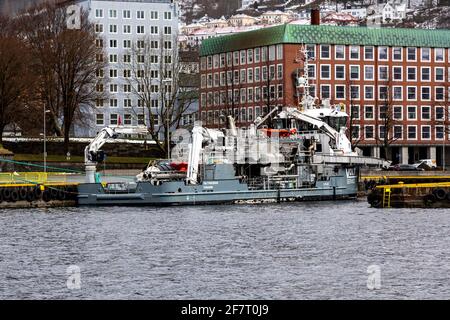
325	34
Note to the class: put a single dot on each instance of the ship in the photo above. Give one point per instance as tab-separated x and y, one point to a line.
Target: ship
291	154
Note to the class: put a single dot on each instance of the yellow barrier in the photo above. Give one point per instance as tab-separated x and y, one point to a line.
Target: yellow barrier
32	177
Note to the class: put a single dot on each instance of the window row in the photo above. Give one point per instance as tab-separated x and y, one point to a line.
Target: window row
126	29
140	44
394	113
241	76
139	14
398	132
367	73
242	96
242	114
386	93
242	57
383	53
127	58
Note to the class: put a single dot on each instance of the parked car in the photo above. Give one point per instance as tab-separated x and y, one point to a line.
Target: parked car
404	167
426	164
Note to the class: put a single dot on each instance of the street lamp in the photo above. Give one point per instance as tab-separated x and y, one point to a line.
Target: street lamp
45	145
167	117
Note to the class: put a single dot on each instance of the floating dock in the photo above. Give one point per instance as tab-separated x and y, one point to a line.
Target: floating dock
411	195
36	189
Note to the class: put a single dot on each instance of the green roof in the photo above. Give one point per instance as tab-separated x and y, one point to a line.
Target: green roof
325	34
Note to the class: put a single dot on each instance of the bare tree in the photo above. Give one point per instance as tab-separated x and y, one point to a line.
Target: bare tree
153	73
65	62
385	119
16	82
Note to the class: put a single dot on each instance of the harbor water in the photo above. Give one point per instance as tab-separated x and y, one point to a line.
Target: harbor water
310	250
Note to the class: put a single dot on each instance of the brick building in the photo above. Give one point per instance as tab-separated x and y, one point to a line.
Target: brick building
393	81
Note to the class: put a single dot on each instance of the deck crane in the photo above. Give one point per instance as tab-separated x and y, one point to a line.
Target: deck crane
92	152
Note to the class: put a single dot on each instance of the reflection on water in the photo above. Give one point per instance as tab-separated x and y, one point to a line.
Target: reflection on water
305	250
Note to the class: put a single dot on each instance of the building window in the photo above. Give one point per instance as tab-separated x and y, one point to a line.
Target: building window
439	93
325	51
167	15
383	72
369	92
311	48
355	131
126	44
440	113
397	73
140	14
439	54
114	120
439	132
397	112
325	71
113	103
412	52
426	132
369	132
397	93
340	72
411	93
383	93
439	74
98	28
339	52
312	71
397	54
127	119
126	14
354	92
412	112
425	54
272	53
412	73
425	73
140	29
425	93
113	73
167	30
382	53
381	132
99	13
141	120
354	52
154	15
242	60
127	103
257	55
113	43
355	112
340	92
354	72
113	28
398	132
368	53
100	119
325	91
113	13
368	73
368	113
412	132
425	113
279	52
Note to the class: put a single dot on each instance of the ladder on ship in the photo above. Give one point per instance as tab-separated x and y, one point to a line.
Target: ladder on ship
386	197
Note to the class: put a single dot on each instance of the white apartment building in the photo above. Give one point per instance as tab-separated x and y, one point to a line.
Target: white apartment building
120	24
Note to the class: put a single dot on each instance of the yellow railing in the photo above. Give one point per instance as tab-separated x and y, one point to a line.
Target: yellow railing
32	177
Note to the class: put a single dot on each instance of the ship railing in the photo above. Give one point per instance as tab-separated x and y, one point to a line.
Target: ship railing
273	182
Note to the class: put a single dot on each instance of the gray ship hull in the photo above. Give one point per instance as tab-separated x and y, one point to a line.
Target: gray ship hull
210	192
